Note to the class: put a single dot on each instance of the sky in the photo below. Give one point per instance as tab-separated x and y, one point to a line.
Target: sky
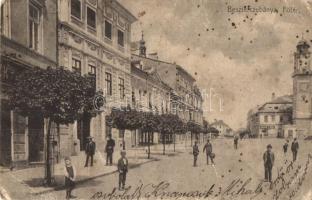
238	58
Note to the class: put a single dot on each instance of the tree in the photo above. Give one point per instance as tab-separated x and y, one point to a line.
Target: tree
59	95
194	128
178	128
205	127
149	123
169	124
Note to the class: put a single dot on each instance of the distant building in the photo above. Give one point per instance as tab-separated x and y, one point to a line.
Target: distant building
149	94
268	119
224	129
185	98
302	89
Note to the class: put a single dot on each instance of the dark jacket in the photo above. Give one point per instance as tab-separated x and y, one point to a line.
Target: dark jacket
295	146
195	150
122	166
110	145
90	148
268	158
208	148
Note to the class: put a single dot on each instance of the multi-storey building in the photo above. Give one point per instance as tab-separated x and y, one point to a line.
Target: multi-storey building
302	89
149	92
185	98
28	39
270	119
94	38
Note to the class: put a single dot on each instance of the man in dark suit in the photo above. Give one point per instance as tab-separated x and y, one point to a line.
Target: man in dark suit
109	149
294	149
195	153
90	151
208	149
235	141
122	169
268	159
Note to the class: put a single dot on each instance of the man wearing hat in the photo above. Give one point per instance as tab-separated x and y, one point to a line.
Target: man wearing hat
122	169
195	153
90	151
109	149
268	158
209	154
294	149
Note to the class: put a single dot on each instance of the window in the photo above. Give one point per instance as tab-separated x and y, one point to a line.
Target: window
76	8
5	18
120	38
91	18
273	118
34	22
76	65
122	88
108	80
108	30
92	70
265	118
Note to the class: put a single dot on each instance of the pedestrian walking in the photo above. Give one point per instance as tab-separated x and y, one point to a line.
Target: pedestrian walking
209	154
294	149
122	169
195	153
235	142
70	176
268	159
90	151
285	147
109	149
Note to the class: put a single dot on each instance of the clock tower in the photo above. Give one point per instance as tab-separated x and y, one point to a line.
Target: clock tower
302	88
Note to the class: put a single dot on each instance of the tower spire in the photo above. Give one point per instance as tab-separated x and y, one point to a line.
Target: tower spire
142	46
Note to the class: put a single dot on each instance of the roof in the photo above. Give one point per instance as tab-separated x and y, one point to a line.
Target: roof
286	99
153	76
130	16
285	105
219	122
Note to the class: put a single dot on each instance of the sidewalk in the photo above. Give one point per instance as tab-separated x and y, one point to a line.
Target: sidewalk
30	180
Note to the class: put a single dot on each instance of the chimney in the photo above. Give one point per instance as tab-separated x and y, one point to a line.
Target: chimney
273	96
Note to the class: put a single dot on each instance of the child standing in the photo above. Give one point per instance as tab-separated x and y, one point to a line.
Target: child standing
70	176
285	147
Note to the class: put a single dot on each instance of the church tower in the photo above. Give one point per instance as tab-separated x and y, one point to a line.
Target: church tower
142	47
302	89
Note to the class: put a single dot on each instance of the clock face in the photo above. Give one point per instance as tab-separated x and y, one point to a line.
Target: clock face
303	87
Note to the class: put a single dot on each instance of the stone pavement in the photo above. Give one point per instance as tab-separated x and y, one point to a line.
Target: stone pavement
30	180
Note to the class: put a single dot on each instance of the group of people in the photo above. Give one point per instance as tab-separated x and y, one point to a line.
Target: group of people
90	147
207	148
268	157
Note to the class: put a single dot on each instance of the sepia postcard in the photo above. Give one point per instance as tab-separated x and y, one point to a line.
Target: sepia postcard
156	99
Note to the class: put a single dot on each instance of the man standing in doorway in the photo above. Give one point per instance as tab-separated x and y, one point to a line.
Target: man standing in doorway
268	159
109	149
90	151
294	149
208	149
